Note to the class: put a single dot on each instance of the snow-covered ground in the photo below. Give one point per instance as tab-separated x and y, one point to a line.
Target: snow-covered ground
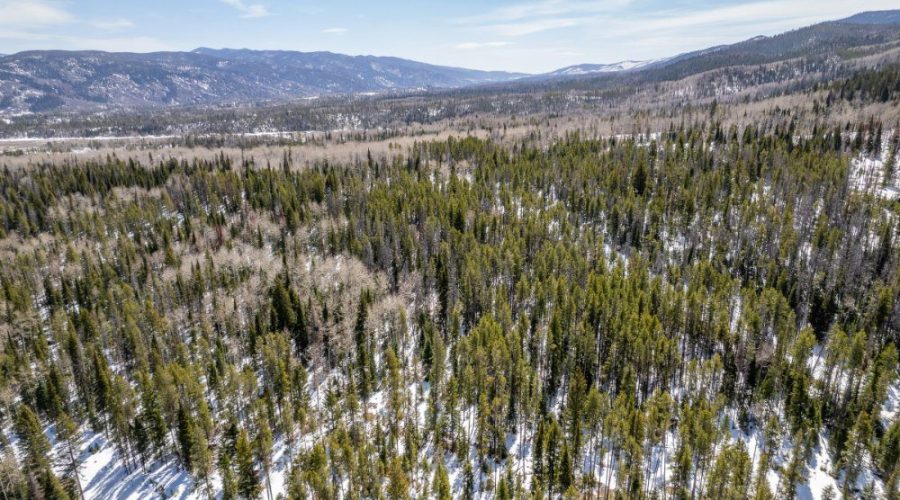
589	69
867	173
104	475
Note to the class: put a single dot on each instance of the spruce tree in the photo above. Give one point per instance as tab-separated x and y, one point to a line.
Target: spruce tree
248	486
70	452
187	439
441	482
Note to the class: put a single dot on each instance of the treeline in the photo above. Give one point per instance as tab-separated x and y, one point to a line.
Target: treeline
635	318
870	85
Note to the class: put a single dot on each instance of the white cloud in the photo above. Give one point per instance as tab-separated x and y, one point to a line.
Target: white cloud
610	20
534	17
546	8
334	31
112	24
18	35
669	30
52	41
606	31
532	27
569	53
32	13
745	14
46	24
248	10
115	44
480	45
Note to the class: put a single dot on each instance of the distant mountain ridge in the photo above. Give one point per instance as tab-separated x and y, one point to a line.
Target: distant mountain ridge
403	73
587	69
874	17
37	81
43	81
829	39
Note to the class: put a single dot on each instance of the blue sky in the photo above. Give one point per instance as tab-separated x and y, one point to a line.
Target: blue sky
514	35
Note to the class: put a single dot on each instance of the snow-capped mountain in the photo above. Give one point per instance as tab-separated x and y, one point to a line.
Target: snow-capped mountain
589	69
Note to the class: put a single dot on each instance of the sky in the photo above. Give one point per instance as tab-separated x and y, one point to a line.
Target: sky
513	35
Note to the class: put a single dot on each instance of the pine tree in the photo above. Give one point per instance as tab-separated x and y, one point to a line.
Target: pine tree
248	486
468	482
36	449
264	451
226	470
854	451
151	414
51	487
187	439
892	484
503	490
566	471
889	449
364	356
761	490
441	482
398	483
202	461
315	471
296	487
70	437
35	446
394	389
793	469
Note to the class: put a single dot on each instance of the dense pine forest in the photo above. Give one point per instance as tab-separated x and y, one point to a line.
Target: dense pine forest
707	312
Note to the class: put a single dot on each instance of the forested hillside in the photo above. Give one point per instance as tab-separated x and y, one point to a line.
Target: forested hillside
706	312
44	81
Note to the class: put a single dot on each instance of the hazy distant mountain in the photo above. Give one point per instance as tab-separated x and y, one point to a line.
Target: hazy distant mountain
874	17
342	73
827	39
45	80
872	31
53	80
588	69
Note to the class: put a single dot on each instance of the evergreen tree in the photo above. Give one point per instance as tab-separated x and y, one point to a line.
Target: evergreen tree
264	452
69	436
248	486
187	439
35	446
441	482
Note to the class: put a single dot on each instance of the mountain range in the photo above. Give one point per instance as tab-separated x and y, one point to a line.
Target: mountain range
589	69
42	81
